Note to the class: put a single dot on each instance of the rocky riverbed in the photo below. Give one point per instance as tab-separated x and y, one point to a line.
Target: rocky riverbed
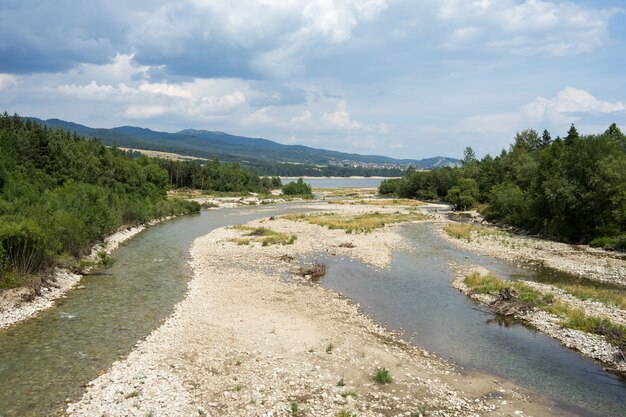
253	338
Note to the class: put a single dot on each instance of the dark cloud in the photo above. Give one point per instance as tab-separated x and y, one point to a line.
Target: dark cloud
42	36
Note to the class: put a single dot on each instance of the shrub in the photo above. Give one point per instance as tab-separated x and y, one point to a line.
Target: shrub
382	376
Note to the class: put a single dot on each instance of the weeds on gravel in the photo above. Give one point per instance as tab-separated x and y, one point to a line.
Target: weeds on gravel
341	382
295	408
131	394
346	394
329	348
422	411
382	376
264	235
359	223
603	295
345	413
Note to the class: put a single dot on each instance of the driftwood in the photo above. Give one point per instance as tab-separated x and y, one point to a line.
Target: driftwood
313	272
507	303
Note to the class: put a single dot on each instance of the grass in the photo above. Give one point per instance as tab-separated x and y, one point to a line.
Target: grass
131	394
603	295
345	413
382	376
329	348
570	317
341	382
360	223
464	231
405	202
346	394
490	284
295	408
263	235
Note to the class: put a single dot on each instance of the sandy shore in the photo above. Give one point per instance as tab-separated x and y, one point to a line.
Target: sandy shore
14	308
253	339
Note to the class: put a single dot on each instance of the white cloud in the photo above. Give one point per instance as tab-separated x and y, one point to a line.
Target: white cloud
93	90
336	120
569	100
7	81
557	112
340	119
260	117
554	28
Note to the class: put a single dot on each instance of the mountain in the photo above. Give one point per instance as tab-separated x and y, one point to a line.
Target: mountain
227	147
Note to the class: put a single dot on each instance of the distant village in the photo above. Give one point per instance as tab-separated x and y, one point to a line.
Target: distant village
346	163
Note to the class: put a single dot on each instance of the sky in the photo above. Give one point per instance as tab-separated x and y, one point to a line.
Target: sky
402	78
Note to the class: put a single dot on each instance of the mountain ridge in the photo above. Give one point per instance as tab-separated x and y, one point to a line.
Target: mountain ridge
233	148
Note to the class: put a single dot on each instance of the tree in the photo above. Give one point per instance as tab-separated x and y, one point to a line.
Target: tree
469	156
465	195
546	139
572	135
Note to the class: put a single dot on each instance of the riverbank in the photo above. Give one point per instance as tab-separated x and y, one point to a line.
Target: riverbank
253	337
20	303
591	345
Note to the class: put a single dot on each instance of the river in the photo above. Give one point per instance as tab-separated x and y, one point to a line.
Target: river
49	358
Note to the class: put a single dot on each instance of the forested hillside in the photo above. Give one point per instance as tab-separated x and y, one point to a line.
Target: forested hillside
263	156
59	194
572	188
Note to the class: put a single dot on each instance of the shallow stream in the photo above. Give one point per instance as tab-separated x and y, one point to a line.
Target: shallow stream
415	295
48	359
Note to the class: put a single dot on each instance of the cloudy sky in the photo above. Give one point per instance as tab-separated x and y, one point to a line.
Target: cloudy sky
404	78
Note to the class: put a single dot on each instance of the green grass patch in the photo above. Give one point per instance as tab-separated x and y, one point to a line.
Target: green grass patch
263	235
382	376
360	223
344	413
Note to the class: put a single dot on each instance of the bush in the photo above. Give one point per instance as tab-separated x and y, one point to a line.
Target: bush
25	246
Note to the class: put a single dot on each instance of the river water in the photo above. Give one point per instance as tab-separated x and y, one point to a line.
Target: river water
47	359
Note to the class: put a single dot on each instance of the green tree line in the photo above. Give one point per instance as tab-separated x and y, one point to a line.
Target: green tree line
572	188
60	194
216	176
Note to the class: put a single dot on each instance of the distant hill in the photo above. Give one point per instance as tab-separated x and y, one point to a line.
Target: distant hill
226	147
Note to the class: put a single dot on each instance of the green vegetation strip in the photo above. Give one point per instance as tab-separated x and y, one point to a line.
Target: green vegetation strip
264	235
571	318
387	202
465	231
360	223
